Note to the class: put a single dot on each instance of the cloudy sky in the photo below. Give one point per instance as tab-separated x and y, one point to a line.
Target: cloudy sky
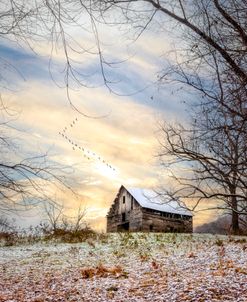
117	141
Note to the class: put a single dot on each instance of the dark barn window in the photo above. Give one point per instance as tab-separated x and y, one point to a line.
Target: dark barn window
123	199
123	217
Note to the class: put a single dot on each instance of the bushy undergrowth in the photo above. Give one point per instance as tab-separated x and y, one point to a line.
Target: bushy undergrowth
59	235
8	238
11	235
8	232
69	235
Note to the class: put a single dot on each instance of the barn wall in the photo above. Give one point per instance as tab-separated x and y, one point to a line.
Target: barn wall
136	218
125	200
124	204
156	223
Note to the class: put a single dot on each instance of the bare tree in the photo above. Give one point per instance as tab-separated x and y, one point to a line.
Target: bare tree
55	215
215	162
6	225
213	34
76	223
79	221
212	25
28	24
25	181
58	220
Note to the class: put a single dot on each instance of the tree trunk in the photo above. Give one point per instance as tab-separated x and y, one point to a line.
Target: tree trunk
235	216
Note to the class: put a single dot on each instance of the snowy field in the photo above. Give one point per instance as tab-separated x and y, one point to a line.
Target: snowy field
125	267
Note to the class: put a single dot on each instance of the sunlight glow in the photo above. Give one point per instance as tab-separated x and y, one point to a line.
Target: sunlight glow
105	170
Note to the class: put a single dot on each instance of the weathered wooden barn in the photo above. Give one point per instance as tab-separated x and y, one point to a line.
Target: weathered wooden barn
136	209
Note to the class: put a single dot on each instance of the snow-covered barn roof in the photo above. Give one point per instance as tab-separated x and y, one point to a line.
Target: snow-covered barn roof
151	200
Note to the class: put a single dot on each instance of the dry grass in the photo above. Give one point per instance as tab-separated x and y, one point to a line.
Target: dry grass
127	267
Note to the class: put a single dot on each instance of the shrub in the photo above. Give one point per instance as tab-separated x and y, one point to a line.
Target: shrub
70	235
8	238
219	242
8	232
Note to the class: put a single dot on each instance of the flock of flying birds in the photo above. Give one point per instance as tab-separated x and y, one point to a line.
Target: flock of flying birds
90	155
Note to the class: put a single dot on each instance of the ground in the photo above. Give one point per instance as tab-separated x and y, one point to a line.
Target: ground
127	267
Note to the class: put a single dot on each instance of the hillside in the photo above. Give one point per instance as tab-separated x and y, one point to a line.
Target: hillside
127	267
221	226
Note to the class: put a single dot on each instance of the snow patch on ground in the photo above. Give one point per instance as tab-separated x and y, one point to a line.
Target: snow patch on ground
127	267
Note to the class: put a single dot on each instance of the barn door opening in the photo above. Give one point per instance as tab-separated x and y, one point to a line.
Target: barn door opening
124	227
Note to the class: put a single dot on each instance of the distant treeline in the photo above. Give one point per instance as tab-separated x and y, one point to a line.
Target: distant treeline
222	225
